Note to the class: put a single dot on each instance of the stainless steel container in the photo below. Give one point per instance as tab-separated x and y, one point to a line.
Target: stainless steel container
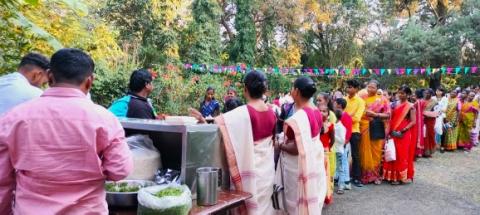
207	183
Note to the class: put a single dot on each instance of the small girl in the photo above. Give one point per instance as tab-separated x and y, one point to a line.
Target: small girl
210	107
327	137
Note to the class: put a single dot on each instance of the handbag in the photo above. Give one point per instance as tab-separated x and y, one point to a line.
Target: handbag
278	195
377	129
390	152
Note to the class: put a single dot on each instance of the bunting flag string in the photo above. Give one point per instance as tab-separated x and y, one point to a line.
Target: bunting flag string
314	71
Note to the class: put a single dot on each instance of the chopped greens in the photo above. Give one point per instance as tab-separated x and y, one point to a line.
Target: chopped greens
171	191
122	187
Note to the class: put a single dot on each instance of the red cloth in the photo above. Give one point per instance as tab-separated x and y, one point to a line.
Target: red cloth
326	136
315	119
347	123
420	141
276	102
263	123
429	143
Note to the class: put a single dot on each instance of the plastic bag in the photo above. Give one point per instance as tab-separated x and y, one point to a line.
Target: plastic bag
146	158
149	203
390	152
167	176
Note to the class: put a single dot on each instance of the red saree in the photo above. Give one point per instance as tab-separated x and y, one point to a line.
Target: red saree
430	144
418	128
398	170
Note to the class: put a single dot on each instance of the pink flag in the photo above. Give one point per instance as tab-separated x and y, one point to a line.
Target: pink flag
449	70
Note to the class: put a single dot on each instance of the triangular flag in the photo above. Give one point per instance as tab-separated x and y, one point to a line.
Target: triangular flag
316	71
474	69
449	70
457	70
466	70
422	71
443	69
348	71
389	71
377	71
322	71
382	71
415	71
409	70
364	71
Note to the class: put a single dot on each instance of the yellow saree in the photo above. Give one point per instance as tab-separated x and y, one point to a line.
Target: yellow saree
371	150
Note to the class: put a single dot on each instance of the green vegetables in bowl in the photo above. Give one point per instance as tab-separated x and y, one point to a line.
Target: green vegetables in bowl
122	187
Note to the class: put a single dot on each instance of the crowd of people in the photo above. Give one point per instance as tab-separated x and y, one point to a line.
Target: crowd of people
298	150
345	131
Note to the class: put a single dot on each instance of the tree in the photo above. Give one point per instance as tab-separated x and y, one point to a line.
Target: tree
204	33
267	53
243	47
413	46
336	43
150	25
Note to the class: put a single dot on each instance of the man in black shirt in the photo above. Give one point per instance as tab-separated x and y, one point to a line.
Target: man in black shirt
136	103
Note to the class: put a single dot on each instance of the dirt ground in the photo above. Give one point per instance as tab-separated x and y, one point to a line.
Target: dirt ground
448	183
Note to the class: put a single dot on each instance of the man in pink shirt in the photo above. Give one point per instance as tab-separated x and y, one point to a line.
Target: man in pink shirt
56	151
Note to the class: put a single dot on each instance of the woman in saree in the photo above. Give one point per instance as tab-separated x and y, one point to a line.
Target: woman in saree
419	132
371	144
468	115
451	122
247	133
429	145
403	119
302	156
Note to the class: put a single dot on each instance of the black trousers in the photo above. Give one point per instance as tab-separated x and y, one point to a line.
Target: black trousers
355	144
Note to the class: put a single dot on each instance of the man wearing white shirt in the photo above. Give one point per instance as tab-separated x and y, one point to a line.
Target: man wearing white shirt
24	85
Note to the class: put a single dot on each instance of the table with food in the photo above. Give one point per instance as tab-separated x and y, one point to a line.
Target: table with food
176	161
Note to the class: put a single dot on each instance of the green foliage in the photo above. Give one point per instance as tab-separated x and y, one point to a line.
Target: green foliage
15	42
267	54
413	46
334	44
111	83
149	25
204	33
243	47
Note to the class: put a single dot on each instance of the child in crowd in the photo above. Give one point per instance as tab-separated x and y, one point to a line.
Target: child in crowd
340	148
327	136
231	94
342	173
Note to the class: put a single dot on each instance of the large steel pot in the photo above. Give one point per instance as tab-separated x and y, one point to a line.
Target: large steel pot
126	199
